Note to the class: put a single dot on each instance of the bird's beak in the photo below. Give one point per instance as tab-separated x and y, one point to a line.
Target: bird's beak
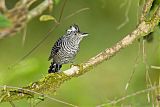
84	34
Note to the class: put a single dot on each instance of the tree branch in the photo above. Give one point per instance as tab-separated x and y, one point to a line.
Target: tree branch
146	9
51	82
22	16
130	95
2	6
39	9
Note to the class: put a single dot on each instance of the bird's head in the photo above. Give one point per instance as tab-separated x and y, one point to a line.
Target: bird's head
75	32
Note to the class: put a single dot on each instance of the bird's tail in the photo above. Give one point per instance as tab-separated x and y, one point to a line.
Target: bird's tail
54	67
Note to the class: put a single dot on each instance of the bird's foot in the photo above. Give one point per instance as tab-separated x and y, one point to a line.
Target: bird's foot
73	64
80	67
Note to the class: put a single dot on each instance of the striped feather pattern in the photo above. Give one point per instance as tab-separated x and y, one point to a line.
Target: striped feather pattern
65	48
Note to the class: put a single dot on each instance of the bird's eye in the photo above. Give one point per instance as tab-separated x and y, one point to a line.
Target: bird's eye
77	34
69	31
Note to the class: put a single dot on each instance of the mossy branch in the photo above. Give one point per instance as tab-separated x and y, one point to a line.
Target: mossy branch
51	82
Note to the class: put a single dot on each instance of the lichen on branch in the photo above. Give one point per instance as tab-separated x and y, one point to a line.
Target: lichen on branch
51	82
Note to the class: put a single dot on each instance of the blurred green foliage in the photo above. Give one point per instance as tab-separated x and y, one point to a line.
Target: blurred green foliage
106	81
57	1
4	22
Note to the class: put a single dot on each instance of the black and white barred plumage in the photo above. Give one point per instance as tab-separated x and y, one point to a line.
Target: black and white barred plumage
65	48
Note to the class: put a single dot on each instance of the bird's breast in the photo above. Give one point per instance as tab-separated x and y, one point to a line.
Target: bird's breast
67	53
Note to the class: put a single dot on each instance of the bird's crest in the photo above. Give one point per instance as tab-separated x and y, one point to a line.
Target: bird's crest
73	28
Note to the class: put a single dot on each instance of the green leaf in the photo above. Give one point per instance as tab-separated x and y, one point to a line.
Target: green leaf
46	18
4	22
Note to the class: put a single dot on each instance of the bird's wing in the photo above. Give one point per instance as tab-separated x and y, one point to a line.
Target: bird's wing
55	48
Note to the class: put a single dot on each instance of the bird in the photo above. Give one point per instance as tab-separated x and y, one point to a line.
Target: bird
65	48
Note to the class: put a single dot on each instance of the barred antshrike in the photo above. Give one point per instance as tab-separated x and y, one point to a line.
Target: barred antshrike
65	48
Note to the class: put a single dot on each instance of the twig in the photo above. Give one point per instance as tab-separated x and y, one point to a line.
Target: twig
134	68
39	9
78	11
130	95
61	13
138	11
148	79
22	16
155	67
5	88
24	35
146	9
